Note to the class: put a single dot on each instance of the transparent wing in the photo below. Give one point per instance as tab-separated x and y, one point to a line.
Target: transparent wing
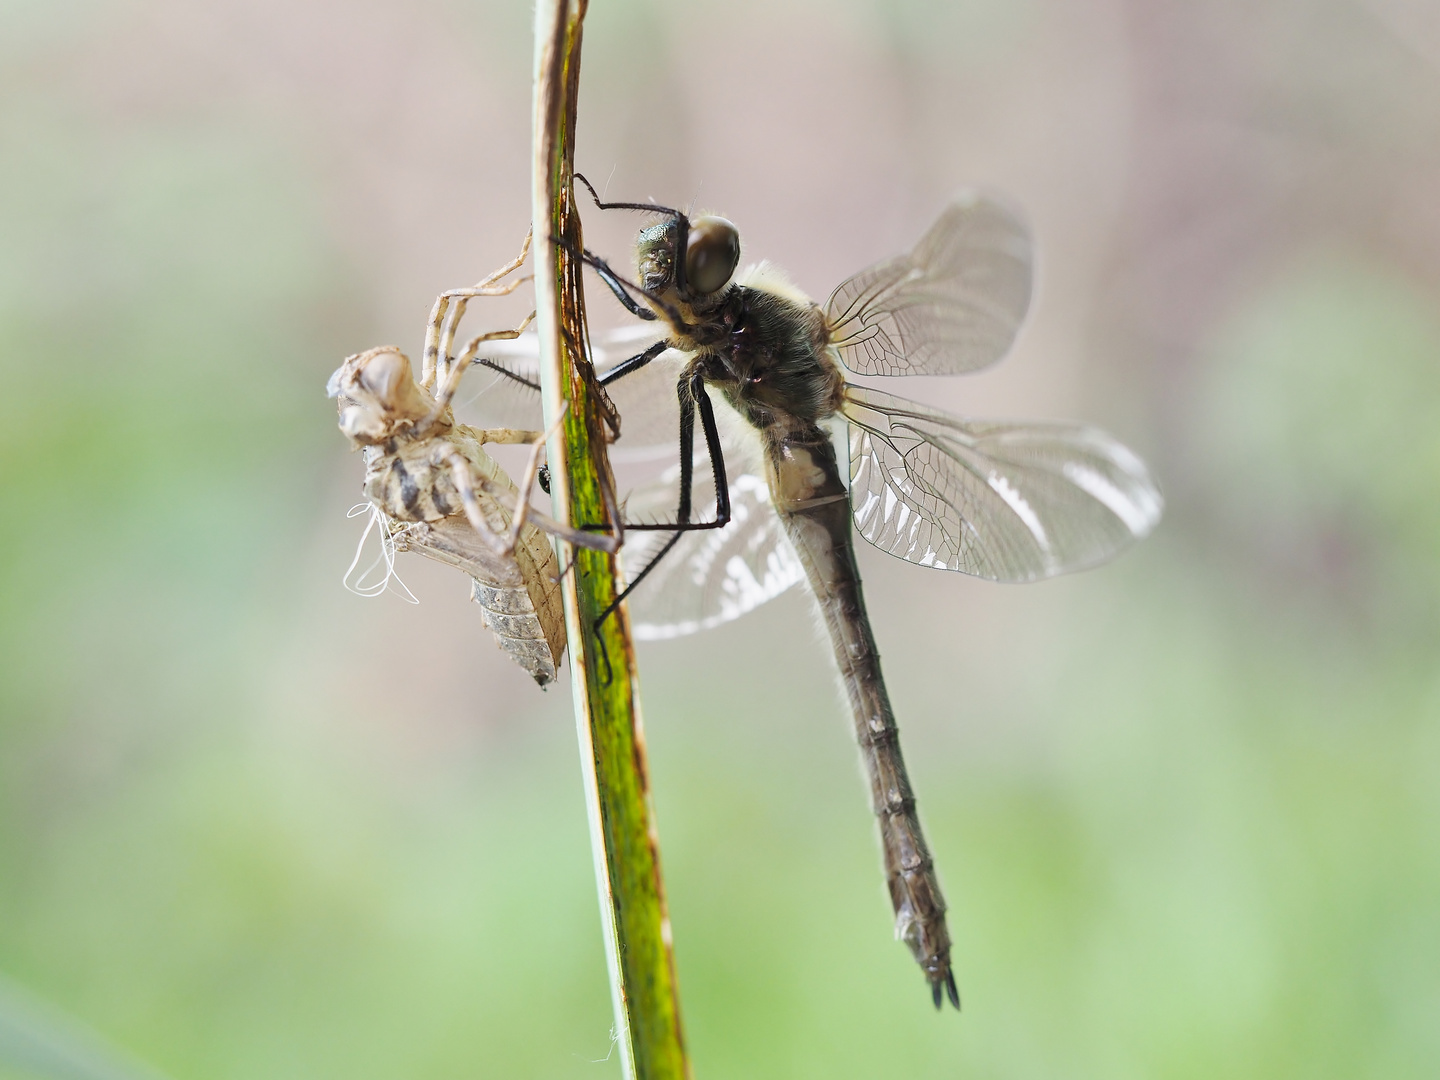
645	399
710	576
489	399
954	304
1001	500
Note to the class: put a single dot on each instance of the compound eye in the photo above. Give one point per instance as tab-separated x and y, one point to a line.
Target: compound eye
711	253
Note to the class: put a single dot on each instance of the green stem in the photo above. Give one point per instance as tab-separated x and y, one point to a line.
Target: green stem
607	706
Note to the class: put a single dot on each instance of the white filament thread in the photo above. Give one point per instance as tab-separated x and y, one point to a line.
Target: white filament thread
361	586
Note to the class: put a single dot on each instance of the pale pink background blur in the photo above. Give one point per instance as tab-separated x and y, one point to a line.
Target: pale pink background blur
1184	806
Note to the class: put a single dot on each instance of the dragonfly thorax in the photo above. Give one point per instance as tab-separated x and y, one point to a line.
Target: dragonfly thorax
773	363
763	343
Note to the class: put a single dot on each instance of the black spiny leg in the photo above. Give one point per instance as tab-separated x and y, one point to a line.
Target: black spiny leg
635	363
616	285
500	369
653	208
622	286
691	392
625	291
619	371
712	447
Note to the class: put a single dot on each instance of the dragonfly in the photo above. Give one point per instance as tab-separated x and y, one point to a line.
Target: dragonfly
1009	501
432	488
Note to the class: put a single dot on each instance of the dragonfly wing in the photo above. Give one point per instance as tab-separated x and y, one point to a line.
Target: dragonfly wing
506	395
645	399
1008	501
710	576
953	304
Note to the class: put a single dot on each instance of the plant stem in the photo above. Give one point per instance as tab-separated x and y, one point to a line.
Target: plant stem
607	706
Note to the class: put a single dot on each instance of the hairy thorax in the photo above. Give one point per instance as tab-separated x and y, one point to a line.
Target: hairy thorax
769	355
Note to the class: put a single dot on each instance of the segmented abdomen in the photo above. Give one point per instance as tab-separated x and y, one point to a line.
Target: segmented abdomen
813	503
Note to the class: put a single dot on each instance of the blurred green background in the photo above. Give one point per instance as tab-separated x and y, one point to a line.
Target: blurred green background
1186	807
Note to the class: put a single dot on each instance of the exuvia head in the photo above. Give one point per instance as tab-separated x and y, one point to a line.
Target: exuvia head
377	395
712	251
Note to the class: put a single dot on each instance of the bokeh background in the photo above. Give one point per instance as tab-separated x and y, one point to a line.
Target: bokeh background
1186	807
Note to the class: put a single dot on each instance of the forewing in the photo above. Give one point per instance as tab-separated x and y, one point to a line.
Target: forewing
1008	501
953	304
712	575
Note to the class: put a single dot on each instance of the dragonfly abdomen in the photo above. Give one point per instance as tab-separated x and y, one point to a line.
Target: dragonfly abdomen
810	497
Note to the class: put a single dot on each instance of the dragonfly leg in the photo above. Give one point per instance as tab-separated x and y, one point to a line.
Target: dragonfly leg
623	287
440	331
616	285
523	509
467	356
692	394
635	363
653	208
456	369
713	448
619	285
465	483
515	377
607	408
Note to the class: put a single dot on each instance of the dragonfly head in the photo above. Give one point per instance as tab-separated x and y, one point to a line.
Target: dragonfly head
712	251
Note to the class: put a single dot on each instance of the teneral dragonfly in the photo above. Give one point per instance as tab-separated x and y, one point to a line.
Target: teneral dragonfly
434	490
1007	501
